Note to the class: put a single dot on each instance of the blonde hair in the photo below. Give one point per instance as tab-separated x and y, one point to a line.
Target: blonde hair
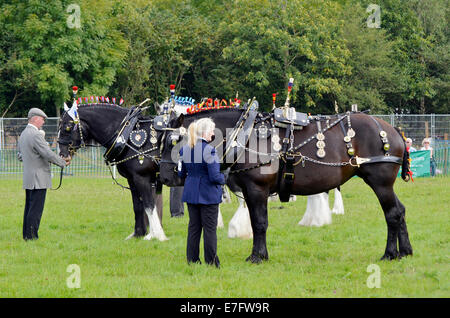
197	128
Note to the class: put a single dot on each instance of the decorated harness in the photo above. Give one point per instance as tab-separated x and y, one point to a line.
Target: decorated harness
131	134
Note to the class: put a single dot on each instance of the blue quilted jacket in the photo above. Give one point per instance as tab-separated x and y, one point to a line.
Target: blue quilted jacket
201	168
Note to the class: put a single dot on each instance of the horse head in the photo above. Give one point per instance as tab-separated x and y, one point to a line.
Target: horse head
171	143
72	135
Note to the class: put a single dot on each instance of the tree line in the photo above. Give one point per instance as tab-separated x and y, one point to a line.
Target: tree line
389	56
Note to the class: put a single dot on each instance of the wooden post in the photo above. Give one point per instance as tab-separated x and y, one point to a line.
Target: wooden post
426	130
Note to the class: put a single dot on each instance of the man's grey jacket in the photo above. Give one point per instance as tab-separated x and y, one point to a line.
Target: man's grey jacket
36	155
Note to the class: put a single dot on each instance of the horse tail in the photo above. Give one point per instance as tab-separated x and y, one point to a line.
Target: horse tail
406	171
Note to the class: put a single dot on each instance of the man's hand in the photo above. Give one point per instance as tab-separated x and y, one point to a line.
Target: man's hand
68	160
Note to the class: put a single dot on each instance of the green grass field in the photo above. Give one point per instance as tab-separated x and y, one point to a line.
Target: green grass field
86	221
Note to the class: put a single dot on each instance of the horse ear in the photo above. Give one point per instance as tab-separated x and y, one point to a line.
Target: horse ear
157	108
66	108
180	120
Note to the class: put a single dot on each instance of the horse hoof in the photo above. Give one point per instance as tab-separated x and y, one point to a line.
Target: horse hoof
130	236
405	253
253	259
389	257
256	259
161	238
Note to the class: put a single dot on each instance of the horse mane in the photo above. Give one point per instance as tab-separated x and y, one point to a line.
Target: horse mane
101	105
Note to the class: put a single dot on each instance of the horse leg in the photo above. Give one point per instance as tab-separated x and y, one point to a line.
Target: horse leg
338	206
404	244
159	205
393	213
256	200
240	225
140	218
149	201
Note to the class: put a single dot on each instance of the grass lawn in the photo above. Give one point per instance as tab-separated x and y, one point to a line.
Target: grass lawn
87	220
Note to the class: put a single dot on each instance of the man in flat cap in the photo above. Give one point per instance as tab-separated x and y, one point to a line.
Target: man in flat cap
36	155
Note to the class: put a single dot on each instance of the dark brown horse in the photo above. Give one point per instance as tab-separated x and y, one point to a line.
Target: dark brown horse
352	144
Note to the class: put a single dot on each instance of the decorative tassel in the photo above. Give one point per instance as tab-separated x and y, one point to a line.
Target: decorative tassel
74	91
290	85
172	93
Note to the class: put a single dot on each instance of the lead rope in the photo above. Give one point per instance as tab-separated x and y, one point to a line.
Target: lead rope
60	179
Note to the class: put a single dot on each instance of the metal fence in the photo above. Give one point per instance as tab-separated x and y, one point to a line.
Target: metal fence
89	161
418	127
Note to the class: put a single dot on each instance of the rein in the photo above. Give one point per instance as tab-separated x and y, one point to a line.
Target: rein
60	179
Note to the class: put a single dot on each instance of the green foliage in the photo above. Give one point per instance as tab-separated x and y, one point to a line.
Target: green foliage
276	40
135	49
434	16
45	56
374	74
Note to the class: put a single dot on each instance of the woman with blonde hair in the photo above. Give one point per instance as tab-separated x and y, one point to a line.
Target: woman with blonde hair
202	190
426	145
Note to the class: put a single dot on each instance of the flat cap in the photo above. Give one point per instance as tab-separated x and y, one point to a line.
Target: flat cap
36	112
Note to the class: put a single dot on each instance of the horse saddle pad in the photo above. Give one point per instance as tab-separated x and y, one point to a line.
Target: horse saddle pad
121	141
285	115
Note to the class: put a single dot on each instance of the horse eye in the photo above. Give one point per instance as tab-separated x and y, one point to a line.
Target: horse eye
174	142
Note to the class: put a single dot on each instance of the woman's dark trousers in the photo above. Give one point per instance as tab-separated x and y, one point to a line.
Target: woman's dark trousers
202	216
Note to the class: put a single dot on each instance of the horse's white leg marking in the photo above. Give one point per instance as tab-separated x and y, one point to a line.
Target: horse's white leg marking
220	220
130	236
338	207
155	228
240	225
318	211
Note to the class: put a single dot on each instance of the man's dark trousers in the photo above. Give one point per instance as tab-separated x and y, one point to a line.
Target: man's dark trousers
202	216
34	206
